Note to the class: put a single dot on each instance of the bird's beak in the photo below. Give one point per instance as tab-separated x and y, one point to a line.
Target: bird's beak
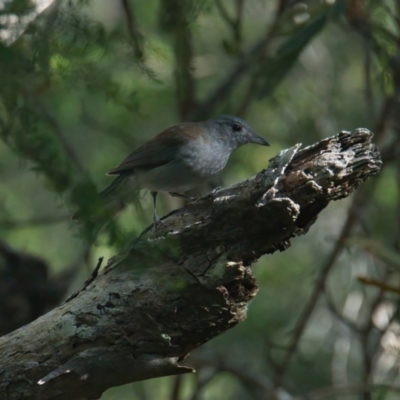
258	140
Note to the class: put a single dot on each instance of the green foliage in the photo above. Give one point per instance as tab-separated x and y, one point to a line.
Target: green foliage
175	12
274	70
19	8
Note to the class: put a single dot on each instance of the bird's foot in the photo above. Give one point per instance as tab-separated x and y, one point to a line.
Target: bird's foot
157	223
184	196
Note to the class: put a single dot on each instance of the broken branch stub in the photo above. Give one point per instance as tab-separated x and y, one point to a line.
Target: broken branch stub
176	288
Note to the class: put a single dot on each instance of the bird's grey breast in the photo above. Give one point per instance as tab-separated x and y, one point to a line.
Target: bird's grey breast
205	156
193	164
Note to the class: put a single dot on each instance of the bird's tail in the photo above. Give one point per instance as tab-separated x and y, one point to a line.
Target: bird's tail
113	199
112	189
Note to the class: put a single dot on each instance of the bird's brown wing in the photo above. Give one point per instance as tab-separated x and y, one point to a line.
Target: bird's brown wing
161	149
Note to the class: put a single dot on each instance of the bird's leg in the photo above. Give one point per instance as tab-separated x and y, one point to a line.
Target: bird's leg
183	196
156	218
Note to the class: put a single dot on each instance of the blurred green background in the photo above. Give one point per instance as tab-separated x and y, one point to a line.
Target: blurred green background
87	81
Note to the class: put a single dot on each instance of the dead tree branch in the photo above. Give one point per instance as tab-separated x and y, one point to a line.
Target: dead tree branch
176	288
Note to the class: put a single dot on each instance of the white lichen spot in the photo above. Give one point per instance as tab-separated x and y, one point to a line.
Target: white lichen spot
223	199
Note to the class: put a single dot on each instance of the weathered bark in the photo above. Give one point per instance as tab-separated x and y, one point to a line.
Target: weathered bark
177	288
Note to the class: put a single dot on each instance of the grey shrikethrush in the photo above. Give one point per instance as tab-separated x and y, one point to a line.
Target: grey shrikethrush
178	159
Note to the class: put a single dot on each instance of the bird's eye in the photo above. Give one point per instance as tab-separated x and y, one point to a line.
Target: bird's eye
237	127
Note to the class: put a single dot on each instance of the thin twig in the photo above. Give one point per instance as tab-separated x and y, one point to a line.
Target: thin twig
234	23
368	351
88	281
333	309
66	276
60	134
384	120
377	339
201	383
133	30
367	77
176	387
224	13
378	284
249	380
270	35
104	127
204	109
239	12
185	84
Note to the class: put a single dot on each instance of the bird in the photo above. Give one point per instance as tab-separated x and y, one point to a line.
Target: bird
178	159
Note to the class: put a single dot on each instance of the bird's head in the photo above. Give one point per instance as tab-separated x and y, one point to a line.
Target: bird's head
234	131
